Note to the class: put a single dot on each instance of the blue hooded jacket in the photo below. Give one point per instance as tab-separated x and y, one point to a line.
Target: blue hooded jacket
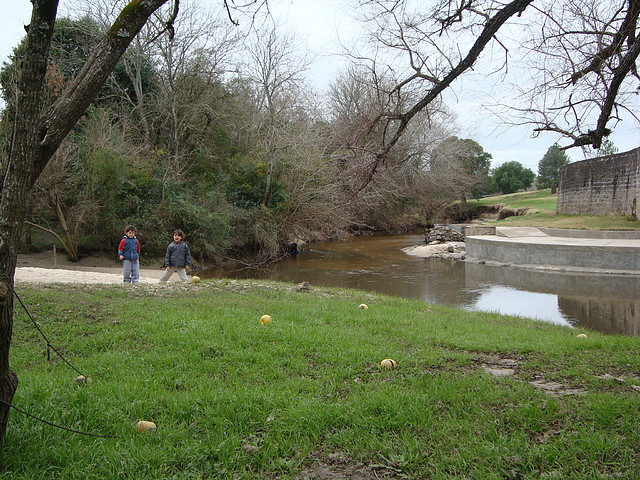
129	248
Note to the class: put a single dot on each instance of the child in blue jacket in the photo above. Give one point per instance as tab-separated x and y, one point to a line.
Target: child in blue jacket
129	253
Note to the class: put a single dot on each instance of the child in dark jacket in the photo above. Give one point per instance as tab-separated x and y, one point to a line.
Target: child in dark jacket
177	258
129	253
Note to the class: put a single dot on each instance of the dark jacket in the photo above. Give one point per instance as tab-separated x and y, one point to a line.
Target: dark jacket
178	255
129	248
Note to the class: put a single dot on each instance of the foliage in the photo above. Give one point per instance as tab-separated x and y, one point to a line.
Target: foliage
246	185
72	42
549	166
206	216
512	176
236	399
607	148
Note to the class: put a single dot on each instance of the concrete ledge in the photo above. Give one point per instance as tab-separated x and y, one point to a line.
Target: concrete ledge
606	234
473	230
529	253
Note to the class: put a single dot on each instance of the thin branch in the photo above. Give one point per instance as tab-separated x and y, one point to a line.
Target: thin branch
168	25
626	31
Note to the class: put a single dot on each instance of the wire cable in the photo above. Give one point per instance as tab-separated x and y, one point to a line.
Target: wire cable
49	344
79	432
51	347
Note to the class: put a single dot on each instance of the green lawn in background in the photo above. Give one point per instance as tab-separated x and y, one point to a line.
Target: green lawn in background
542	213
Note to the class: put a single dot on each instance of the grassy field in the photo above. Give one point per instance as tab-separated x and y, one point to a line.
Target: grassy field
542	213
475	395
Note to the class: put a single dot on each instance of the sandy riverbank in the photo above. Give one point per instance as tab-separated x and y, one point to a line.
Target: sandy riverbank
46	268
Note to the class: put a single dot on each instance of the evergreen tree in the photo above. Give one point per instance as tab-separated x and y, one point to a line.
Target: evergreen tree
549	166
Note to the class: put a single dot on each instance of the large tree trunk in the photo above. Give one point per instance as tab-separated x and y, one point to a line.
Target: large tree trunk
18	171
36	137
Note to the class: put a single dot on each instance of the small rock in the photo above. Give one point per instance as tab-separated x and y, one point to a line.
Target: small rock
251	448
607	376
499	372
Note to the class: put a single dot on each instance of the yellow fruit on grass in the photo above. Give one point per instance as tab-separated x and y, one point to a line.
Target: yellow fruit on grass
83	380
582	335
144	426
265	319
363	306
388	364
195	279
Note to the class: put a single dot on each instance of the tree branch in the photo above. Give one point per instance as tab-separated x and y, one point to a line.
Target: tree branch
627	31
493	25
595	137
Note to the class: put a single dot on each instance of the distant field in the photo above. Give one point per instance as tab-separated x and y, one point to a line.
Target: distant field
542	213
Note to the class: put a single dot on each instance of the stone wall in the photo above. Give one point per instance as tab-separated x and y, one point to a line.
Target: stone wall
601	186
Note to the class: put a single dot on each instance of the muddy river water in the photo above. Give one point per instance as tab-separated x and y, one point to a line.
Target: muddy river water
606	303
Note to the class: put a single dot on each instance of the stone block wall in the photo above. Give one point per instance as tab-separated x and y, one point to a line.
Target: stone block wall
600	186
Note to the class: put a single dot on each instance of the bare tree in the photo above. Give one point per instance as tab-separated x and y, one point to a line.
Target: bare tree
189	65
359	100
37	134
583	58
462	166
274	67
55	195
587	76
380	191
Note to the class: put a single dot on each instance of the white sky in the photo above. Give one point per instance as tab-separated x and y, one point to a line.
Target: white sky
322	23
12	23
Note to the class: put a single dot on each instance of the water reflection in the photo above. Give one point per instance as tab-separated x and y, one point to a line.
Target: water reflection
540	306
606	303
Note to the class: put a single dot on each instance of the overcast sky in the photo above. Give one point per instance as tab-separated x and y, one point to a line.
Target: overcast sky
322	23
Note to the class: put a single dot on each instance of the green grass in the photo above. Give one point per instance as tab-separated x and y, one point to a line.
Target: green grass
542	213
306	393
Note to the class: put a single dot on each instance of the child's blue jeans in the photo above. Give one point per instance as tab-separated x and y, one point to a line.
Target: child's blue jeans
131	271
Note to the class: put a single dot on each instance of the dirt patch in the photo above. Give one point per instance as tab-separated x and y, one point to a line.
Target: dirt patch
338	466
556	389
509	367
